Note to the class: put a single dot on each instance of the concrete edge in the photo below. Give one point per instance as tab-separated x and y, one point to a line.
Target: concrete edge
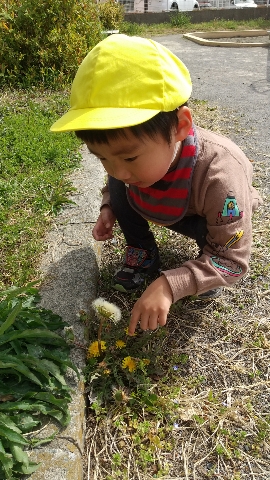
70	270
204	38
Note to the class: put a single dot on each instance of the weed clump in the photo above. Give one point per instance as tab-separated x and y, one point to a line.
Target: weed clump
33	361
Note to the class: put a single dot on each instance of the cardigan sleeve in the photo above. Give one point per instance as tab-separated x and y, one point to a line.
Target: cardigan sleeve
224	195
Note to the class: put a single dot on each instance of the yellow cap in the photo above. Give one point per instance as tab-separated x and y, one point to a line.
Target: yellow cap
124	81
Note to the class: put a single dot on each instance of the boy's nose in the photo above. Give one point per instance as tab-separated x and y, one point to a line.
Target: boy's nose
121	174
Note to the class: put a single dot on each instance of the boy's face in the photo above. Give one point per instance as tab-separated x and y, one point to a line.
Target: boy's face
140	162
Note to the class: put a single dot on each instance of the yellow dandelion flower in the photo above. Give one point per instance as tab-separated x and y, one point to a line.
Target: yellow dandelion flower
93	350
129	363
126	332
106	371
120	344
146	361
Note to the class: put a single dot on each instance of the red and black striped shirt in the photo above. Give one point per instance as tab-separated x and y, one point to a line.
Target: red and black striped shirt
166	201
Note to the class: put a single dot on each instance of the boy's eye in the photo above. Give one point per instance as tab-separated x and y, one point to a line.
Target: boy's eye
130	159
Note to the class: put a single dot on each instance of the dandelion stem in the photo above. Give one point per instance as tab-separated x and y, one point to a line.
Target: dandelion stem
99	335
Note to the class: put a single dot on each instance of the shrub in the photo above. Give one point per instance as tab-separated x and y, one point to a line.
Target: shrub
111	15
45	41
180	19
131	28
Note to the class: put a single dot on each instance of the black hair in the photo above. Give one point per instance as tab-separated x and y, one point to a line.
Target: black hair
163	123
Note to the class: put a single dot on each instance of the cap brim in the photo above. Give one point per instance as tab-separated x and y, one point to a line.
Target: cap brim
102	118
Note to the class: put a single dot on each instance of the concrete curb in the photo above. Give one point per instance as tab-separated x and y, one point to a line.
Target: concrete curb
70	268
210	39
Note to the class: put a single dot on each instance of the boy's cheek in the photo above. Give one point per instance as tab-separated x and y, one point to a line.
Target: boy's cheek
108	169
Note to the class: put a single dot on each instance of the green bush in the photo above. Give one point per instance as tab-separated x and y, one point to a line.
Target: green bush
111	15
131	28
45	41
180	19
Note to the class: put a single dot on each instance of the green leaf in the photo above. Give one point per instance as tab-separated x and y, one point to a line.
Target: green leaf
13	292
19	455
49	398
7	463
5	420
11	318
10	387
34	364
36	333
35	350
26	422
12	436
54	370
36	442
60	357
12	362
45	409
24	470
16	346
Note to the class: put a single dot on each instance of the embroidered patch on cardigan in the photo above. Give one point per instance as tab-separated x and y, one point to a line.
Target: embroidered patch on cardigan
230	210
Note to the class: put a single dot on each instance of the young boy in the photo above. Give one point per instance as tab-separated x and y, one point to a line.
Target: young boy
128	104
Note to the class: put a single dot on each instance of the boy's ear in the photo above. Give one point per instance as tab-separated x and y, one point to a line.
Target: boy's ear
184	123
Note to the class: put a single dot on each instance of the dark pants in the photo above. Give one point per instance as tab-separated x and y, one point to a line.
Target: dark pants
136	229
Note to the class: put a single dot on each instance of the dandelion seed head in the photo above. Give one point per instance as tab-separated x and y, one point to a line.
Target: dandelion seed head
107	310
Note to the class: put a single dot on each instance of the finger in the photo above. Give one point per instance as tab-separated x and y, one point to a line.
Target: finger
162	319
108	218
101	236
153	322
149	321
134	320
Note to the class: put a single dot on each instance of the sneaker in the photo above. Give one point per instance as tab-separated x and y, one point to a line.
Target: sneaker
210	294
138	265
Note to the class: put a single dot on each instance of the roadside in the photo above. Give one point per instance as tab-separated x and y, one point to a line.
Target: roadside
71	268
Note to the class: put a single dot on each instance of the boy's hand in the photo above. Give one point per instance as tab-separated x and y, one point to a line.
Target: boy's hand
105	222
152	307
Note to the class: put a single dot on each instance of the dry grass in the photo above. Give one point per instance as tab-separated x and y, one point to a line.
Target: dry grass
214	371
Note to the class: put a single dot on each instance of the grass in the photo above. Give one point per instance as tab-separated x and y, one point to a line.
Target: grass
180	24
195	404
33	182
